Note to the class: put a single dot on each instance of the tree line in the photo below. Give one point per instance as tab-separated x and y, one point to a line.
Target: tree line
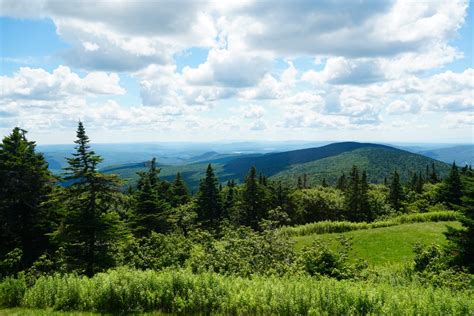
84	226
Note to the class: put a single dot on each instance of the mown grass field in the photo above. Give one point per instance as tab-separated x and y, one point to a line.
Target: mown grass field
386	245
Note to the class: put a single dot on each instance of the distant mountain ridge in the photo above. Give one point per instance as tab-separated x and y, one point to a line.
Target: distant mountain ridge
270	164
461	154
328	162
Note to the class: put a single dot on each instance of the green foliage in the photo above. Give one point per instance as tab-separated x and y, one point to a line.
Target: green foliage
427	258
432	264
151	208
179	191
452	190
356	195
183	218
92	229
209	200
377	197
25	184
10	262
244	252
326	227
12	291
396	195
157	251
316	204
318	259
254	200
125	290
462	240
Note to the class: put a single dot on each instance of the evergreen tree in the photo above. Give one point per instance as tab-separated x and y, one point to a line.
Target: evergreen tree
208	199
179	191
253	198
353	194
414	181
419	184
299	184
92	229
357	196
229	200
364	207
452	192
396	192
462	239
433	176
25	186
151	208
281	196
342	182
323	183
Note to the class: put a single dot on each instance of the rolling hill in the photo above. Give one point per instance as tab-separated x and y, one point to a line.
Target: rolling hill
461	154
322	162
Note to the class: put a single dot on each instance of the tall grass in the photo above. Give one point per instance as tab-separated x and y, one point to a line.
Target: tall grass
326	227
183	292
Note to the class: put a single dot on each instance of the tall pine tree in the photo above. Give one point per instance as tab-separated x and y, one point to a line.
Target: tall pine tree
151	209
357	198
253	198
353	193
179	191
209	199
462	239
452	192
396	195
342	182
92	228
25	186
365	213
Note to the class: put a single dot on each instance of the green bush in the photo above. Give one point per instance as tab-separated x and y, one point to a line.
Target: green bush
157	251
432	267
10	262
125	290
319	260
315	204
244	252
12	291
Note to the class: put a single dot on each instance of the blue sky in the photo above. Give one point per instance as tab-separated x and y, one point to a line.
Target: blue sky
387	71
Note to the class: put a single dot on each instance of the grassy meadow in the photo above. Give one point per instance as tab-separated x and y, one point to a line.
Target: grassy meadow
385	245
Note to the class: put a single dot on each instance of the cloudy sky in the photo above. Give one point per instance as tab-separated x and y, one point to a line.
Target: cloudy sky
243	70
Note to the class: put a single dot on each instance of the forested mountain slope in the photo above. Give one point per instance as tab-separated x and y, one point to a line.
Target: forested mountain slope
327	162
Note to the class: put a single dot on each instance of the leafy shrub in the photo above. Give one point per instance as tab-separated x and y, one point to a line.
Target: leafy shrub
431	264
318	260
427	257
244	252
377	198
158	251
10	262
12	291
316	204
